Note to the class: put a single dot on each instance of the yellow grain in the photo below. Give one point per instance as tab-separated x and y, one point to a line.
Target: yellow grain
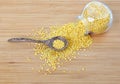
29	59
64	71
58	44
83	69
74	34
38	70
32	68
42	68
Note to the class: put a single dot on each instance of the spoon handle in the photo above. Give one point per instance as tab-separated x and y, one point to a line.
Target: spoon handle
25	40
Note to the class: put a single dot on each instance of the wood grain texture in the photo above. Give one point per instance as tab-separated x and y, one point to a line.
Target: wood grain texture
19	17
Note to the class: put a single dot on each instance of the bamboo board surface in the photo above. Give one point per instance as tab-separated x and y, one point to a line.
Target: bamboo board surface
19	17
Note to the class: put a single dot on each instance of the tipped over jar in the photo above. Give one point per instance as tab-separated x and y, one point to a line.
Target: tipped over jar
96	17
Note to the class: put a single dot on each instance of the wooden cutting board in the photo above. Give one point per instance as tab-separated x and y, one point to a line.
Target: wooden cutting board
18	18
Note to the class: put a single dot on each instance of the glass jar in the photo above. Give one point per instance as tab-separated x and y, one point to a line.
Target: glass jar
96	17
